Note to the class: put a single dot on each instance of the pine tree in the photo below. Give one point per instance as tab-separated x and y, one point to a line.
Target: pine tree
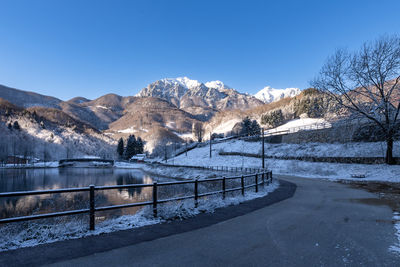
16	126
255	128
120	147
140	146
246	126
130	147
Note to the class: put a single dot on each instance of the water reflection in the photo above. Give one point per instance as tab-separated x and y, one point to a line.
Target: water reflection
12	180
39	179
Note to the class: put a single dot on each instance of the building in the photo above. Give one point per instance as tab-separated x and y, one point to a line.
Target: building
138	158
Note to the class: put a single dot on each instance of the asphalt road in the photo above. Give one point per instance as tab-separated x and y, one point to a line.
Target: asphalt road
323	224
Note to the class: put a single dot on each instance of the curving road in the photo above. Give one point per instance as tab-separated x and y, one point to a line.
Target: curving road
323	224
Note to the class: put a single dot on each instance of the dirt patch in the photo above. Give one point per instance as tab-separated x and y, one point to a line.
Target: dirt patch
388	193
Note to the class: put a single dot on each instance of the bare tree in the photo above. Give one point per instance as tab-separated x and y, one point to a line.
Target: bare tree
367	82
198	131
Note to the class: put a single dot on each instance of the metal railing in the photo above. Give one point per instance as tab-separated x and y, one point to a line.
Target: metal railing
260	178
217	168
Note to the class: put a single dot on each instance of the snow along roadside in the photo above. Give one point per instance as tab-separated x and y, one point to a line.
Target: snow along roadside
396	247
28	234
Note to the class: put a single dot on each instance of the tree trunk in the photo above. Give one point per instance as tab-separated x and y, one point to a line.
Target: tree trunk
389	150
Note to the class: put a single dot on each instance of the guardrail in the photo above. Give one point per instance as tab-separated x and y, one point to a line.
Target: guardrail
260	178
216	168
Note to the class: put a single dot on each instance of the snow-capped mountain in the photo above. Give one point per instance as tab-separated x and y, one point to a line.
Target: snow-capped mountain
185	93
268	94
217	85
183	81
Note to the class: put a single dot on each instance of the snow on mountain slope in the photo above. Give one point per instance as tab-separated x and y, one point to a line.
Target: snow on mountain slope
268	94
186	93
217	85
183	81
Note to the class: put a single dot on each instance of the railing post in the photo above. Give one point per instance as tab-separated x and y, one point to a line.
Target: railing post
223	187
91	209
155	199
196	193
242	182
263	178
256	183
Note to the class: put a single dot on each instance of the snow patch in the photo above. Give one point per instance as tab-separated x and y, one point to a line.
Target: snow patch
396	247
226	126
302	123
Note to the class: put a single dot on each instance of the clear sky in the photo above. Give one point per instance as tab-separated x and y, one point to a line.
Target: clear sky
91	48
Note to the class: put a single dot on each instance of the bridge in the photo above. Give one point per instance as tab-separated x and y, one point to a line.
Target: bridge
86	162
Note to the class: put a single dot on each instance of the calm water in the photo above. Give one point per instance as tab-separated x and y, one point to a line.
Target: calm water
39	179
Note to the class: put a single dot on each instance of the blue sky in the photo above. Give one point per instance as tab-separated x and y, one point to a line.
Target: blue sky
90	48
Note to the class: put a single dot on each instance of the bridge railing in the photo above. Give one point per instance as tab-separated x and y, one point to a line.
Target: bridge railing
260	178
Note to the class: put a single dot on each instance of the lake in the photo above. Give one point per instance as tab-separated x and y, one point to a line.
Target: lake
54	178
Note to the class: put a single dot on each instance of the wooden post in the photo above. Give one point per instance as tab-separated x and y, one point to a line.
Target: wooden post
256	183
242	182
155	199
91	211
196	193
263	178
223	187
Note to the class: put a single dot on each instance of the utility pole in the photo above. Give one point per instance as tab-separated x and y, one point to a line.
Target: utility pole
210	144
263	153
186	147
165	153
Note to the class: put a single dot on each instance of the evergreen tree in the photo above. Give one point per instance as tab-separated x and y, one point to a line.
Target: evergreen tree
130	147
274	118
140	146
246	126
16	126
120	147
255	128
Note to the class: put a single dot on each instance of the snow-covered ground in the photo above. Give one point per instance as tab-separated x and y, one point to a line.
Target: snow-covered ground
302	123
14	236
370	149
225	127
334	171
48	164
396	247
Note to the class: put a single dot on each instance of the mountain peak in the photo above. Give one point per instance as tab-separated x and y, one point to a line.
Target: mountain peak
269	94
216	85
183	81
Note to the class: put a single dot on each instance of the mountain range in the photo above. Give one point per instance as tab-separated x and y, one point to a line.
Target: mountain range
162	112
